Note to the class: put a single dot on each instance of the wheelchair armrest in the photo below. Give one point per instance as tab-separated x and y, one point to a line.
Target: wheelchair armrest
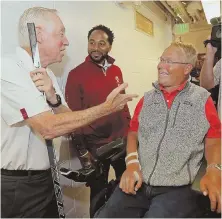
81	175
108	150
118	155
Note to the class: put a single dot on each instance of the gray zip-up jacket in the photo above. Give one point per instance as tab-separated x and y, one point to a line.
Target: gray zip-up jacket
171	141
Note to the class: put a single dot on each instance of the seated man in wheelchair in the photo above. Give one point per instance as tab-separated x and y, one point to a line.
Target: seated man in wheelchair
175	125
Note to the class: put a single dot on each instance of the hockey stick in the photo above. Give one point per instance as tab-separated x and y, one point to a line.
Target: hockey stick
49	143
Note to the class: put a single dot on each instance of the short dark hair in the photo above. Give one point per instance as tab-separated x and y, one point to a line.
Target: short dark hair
105	29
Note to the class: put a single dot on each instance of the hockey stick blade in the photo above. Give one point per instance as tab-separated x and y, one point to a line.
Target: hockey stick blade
34	45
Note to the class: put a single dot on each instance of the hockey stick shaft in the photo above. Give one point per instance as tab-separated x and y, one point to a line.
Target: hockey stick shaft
49	143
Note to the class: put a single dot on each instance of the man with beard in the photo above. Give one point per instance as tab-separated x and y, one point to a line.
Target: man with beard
88	85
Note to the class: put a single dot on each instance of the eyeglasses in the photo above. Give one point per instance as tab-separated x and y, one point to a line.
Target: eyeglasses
169	62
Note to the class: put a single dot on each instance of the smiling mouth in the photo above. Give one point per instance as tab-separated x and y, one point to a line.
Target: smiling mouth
163	74
96	54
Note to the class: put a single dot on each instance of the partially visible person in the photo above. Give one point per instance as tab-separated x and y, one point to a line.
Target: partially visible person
195	76
210	75
195	72
174	125
28	117
88	85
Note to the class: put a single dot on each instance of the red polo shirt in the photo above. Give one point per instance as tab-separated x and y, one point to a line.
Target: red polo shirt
210	110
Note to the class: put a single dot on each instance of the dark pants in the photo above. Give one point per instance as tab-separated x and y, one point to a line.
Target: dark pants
152	202
28	196
101	182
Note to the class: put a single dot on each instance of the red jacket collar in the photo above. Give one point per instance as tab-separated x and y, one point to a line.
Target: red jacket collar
109	59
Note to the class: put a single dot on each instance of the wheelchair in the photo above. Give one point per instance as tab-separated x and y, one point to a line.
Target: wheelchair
114	151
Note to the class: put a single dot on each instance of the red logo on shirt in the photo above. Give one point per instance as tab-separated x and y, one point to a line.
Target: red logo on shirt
24	113
117	81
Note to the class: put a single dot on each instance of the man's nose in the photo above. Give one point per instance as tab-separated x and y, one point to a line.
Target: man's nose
159	66
65	41
96	47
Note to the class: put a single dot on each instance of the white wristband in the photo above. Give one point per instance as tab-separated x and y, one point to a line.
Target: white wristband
133	161
132	154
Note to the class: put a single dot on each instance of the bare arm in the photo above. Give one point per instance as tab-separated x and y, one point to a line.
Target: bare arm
133	172
213	150
206	74
65	121
132	138
131	179
44	84
53	125
210	183
132	143
61	109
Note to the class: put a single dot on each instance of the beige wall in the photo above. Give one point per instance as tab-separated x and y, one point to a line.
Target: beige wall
196	38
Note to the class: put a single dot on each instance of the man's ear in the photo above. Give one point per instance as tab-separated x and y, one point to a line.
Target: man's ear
39	34
188	69
110	48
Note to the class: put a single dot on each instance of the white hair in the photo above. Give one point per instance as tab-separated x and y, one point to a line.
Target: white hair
188	50
36	15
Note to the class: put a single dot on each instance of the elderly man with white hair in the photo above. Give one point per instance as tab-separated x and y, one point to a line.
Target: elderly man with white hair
28	118
175	124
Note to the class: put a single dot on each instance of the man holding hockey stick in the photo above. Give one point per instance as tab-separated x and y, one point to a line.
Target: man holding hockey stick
27	118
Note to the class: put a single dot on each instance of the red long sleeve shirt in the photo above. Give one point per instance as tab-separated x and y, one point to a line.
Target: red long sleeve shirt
89	85
210	110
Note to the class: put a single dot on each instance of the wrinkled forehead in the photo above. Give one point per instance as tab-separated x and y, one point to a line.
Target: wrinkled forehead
54	23
174	53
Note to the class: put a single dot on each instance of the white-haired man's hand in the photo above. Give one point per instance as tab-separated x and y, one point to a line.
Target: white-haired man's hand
44	84
116	100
